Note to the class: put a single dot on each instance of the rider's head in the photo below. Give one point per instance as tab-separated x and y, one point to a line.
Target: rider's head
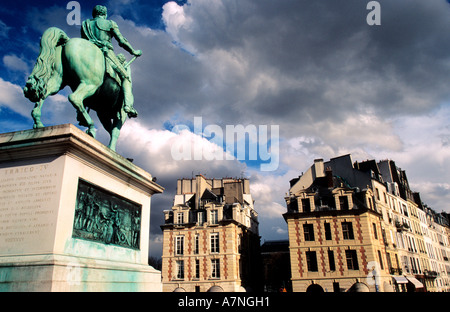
99	10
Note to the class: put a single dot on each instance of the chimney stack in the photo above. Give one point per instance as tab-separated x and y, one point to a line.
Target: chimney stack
329	177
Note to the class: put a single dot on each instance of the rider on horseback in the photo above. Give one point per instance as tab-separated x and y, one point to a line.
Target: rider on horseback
100	31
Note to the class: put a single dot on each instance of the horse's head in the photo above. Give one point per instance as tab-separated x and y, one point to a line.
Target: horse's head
34	90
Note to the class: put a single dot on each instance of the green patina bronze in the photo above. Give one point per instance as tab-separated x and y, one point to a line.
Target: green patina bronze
99	79
103	217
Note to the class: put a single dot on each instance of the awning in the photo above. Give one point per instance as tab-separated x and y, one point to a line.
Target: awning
400	279
415	282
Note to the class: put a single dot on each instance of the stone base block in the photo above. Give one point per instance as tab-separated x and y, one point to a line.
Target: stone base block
74	215
51	273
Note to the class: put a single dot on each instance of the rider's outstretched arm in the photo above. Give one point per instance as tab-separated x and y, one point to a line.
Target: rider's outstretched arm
123	42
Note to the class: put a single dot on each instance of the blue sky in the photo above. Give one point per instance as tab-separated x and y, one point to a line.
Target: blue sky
332	84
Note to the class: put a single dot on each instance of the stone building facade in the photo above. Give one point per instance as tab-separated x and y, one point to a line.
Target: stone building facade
211	240
358	226
335	237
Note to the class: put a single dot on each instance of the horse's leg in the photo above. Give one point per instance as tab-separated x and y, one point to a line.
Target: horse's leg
36	114
54	85
105	119
106	122
116	126
84	91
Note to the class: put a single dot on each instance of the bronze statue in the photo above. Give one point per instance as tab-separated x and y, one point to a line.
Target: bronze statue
99	79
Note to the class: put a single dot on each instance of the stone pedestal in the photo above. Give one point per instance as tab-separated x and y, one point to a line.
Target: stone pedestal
74	215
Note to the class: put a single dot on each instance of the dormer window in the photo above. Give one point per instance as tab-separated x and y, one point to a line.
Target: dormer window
180	218
306	205
293	204
343	202
200	218
214	216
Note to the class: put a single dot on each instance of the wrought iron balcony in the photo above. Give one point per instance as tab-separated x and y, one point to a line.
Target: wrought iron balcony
396	271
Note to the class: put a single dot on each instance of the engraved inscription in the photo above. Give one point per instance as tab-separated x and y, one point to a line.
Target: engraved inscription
104	217
26	193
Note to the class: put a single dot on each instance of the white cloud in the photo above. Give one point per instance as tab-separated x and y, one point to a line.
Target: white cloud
11	96
4	29
279	230
268	191
13	62
435	195
156	150
175	18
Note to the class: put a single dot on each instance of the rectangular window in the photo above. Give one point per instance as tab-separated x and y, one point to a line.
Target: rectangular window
375	232
179	245
327	231
396	261
405	263
381	260
215	268
197	268
389	261
331	260
200	218
414	247
413	265
352	259
311	261
347	230
214	217
343	202
180	218
180	269
196	244
293	205
306	205
214	243
308	230
418	266
409	243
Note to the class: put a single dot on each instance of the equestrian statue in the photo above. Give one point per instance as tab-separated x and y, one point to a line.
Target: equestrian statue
99	79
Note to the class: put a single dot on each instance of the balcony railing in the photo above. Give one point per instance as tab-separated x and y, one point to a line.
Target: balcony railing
396	271
430	274
401	226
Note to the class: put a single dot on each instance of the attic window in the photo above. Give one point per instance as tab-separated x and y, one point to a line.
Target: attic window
306	205
214	216
293	204
343	202
180	218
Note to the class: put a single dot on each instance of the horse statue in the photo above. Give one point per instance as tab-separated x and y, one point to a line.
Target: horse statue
79	64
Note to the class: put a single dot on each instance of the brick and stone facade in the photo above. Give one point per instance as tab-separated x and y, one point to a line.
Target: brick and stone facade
211	240
335	236
357	226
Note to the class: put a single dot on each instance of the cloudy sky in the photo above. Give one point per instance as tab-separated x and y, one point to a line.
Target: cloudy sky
315	70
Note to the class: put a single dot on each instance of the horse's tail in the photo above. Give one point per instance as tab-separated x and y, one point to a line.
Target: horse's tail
36	86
